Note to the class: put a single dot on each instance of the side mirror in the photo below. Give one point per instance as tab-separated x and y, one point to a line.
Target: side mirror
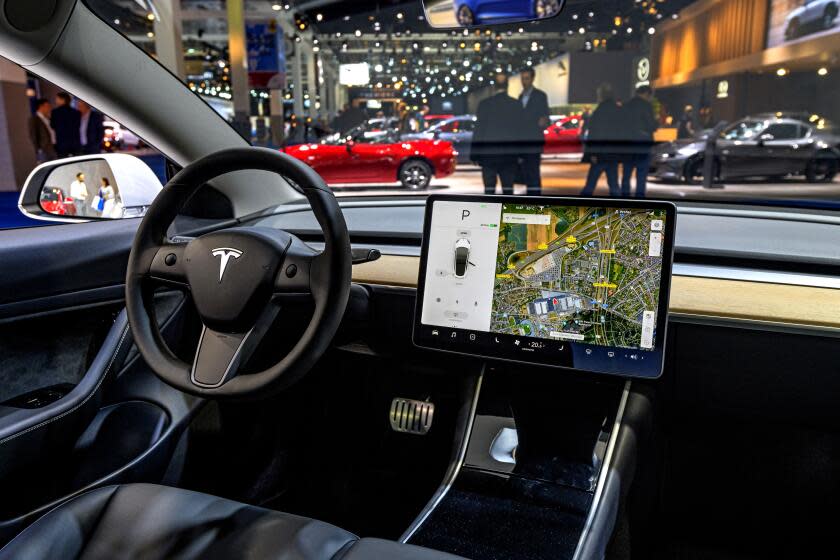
84	188
436	134
349	145
765	138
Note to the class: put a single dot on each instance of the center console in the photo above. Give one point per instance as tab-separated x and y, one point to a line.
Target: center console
532	285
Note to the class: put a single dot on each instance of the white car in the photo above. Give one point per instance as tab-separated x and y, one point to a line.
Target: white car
811	16
462	257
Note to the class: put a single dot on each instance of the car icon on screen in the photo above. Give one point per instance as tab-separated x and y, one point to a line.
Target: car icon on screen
462	257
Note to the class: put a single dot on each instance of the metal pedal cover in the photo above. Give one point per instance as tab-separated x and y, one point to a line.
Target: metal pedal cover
411	417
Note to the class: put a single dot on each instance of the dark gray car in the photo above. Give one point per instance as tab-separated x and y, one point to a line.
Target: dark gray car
762	146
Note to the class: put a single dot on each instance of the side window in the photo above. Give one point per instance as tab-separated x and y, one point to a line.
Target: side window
784	131
44	124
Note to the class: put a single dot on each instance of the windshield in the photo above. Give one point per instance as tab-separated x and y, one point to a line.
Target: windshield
608	98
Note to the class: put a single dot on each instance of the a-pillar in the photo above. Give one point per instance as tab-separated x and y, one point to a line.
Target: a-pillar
311	75
297	79
17	155
238	49
168	30
277	121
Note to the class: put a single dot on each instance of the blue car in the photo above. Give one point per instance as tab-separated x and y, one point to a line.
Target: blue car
478	12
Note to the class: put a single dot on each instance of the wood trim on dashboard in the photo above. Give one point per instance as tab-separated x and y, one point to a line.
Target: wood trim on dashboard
690	296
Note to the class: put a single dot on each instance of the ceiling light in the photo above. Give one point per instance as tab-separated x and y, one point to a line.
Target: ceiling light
822	71
276	7
781	72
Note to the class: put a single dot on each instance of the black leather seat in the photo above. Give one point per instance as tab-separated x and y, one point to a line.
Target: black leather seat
145	521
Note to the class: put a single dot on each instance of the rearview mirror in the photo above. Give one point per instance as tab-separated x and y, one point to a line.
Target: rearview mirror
449	14
101	186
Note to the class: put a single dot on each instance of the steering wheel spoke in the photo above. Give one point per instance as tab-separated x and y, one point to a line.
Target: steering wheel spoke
220	356
293	283
168	266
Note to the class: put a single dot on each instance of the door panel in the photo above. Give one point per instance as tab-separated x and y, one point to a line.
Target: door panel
79	408
62	266
372	162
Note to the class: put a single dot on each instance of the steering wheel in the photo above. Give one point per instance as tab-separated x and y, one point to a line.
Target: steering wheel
239	279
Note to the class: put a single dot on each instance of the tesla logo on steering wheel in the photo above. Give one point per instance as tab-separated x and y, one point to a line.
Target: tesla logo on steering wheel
225	253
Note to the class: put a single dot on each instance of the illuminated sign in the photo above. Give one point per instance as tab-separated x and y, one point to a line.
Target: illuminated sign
643	69
723	89
354	74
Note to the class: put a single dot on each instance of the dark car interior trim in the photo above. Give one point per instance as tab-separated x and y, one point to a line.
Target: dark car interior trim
463	438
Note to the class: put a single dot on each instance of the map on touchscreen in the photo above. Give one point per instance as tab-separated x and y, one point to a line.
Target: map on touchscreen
585	274
571	272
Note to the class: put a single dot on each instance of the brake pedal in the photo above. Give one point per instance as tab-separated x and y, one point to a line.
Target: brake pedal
411	417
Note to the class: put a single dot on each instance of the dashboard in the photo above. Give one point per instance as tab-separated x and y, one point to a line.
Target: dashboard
745	266
569	283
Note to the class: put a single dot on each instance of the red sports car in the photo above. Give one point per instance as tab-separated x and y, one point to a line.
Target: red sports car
355	159
563	136
54	202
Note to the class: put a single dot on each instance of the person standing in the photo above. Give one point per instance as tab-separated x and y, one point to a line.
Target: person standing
353	117
338	122
79	194
640	123
535	118
495	142
41	133
602	142
406	123
66	122
91	128
686	125
109	200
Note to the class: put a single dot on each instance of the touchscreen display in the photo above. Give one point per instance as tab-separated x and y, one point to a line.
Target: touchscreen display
560	282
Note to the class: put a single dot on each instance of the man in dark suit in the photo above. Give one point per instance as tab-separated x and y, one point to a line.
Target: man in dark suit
41	133
495	143
91	128
640	123
66	122
534	120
